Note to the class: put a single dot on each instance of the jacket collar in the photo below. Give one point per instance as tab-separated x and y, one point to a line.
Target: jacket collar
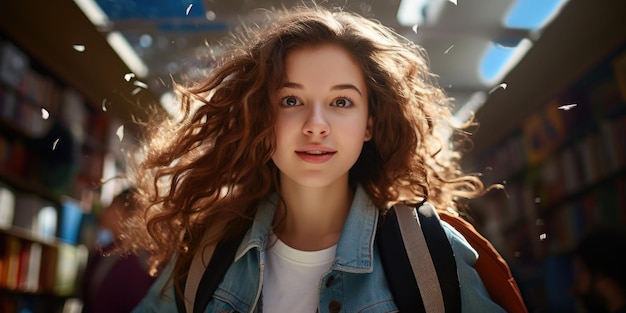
258	234
355	250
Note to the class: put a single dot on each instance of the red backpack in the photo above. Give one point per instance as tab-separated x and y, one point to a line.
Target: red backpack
492	268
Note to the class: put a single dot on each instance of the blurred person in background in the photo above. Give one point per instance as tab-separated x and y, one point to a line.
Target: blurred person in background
600	280
114	282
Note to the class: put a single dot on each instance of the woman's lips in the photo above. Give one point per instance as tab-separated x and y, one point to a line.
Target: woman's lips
315	156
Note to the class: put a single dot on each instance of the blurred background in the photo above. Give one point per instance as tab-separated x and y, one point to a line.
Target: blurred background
546	80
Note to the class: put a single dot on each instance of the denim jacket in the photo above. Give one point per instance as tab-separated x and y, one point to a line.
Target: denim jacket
354	283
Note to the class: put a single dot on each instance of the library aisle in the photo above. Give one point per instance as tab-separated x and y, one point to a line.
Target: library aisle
64	127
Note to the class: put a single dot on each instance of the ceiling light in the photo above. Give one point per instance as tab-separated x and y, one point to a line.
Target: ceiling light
419	12
473	104
93	12
411	12
121	46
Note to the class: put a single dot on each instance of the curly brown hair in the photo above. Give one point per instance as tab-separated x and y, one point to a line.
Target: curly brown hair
210	168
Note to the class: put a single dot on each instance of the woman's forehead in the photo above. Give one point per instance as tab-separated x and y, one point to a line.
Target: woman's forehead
327	62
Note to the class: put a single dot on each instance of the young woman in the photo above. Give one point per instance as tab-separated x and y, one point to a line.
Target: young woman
302	132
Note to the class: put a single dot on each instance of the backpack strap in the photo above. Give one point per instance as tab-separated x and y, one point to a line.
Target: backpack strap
411	240
200	277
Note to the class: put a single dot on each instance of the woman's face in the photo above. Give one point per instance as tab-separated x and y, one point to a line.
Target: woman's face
322	116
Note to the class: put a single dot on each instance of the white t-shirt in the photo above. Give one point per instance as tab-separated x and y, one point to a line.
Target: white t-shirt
292	277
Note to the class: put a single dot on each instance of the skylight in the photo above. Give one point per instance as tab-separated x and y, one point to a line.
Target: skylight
531	15
499	60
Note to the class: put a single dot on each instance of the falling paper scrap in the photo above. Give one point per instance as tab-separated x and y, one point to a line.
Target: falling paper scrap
79	48
120	132
55	143
503	86
45	114
140	84
567	107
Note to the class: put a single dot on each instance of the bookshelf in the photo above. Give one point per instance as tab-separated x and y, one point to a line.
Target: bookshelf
53	147
564	171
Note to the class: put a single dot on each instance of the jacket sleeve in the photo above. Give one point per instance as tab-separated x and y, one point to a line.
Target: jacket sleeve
474	296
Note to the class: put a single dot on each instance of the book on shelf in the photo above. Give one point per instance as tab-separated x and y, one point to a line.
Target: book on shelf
70	259
17	156
7	206
31	282
24	261
572	170
71	220
611	144
10	275
543	133
590	160
47	221
552	179
48	269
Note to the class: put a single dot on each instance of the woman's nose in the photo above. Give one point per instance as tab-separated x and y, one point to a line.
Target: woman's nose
316	122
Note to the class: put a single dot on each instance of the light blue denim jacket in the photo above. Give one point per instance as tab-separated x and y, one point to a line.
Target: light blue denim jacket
355	282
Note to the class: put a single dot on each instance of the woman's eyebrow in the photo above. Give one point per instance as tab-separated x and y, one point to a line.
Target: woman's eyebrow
292	85
347	86
336	87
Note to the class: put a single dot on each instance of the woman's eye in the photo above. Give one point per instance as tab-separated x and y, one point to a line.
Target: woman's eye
342	102
290	101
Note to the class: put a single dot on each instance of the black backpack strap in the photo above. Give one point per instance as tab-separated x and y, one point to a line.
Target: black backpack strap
397	263
442	255
406	293
222	258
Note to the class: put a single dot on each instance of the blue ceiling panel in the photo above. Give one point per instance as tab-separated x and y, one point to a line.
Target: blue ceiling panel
177	27
151	9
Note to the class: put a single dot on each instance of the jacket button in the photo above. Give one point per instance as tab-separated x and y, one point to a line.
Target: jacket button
334	306
330	281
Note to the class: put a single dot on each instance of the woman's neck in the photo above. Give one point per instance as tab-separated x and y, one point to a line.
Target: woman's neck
314	217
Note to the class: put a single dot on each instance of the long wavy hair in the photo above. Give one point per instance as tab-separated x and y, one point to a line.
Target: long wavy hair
208	170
